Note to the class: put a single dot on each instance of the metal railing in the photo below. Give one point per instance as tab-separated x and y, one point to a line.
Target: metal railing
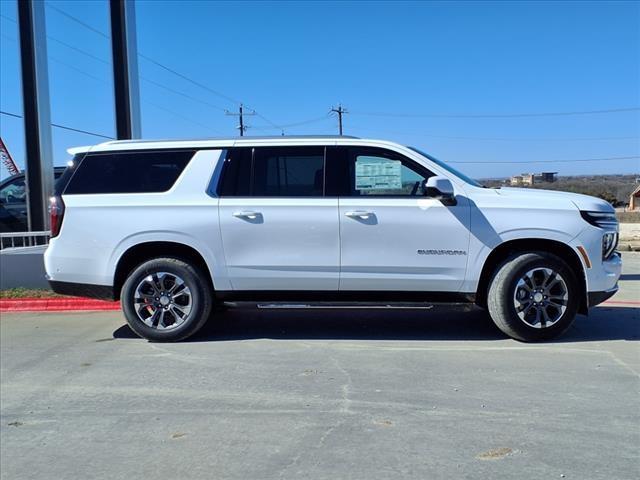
24	239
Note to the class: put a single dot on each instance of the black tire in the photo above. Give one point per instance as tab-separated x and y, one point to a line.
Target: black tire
500	299
200	299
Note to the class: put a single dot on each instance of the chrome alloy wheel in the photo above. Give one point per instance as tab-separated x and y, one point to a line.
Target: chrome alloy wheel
541	297
162	300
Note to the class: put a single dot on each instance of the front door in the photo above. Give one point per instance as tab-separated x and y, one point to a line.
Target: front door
278	230
392	237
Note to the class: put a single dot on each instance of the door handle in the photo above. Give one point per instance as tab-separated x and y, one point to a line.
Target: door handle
358	214
246	214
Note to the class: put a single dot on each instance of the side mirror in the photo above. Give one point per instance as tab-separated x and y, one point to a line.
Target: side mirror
440	188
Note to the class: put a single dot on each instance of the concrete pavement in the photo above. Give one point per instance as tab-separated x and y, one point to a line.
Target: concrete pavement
322	394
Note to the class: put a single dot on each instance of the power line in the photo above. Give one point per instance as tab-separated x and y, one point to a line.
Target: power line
77	20
205	87
64	127
295	124
553	161
182	94
9	18
164	67
79	50
178	115
61	42
534	139
142	77
10	114
510	139
497	115
81	131
184	77
147	58
148	80
82	72
101	80
274	125
175	114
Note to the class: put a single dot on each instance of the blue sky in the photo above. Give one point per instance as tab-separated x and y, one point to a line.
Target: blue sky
291	61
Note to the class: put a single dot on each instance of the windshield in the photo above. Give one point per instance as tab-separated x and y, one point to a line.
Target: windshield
448	168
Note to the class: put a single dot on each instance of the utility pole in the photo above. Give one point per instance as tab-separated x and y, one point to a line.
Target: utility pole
241	113
125	69
37	117
339	111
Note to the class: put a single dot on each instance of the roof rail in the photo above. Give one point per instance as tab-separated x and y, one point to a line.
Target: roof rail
235	139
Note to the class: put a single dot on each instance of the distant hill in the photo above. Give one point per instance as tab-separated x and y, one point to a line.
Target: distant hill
615	189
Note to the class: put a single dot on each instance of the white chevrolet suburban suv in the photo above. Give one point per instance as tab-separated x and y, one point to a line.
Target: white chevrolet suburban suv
174	228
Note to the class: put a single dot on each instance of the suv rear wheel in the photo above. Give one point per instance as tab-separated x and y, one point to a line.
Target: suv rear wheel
533	296
166	300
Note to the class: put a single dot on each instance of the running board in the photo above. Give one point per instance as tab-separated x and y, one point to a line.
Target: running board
336	298
345	306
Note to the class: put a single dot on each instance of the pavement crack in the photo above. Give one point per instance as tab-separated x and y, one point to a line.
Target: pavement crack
346	387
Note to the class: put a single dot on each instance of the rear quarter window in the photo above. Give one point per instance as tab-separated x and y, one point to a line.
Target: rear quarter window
128	172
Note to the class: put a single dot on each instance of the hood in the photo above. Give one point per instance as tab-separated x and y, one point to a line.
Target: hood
582	202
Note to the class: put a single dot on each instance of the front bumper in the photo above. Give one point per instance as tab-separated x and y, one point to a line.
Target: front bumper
596	298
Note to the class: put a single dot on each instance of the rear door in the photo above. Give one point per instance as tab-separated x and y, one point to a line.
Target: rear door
392	237
279	231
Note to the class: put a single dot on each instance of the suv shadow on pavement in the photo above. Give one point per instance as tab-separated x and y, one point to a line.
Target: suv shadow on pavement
439	323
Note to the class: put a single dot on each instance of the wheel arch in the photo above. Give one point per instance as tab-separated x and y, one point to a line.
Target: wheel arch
505	250
141	252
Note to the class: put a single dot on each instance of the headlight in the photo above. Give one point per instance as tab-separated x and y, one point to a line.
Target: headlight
601	219
609	244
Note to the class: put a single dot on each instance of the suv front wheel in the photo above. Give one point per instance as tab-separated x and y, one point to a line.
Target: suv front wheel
533	296
166	300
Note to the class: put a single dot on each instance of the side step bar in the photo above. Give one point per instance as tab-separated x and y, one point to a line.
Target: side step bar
344	306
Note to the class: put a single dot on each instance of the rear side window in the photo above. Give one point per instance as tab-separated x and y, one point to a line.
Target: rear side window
273	172
63	180
288	172
128	172
236	176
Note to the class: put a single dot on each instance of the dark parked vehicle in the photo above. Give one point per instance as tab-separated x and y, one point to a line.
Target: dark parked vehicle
13	202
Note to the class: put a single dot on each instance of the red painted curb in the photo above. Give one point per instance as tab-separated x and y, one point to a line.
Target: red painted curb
61	304
620	302
55	304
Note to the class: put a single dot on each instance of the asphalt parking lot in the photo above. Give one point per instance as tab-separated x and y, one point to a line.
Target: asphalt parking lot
323	394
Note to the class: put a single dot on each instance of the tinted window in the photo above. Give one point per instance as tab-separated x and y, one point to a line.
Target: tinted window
337	177
288	172
65	176
131	172
236	175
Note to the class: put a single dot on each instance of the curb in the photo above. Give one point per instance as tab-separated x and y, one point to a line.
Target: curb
620	302
55	304
64	304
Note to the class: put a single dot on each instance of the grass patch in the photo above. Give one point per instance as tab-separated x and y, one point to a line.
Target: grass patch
28	293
